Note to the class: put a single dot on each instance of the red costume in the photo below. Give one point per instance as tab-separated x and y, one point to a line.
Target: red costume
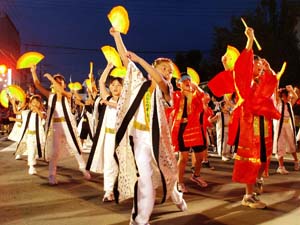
254	116
193	133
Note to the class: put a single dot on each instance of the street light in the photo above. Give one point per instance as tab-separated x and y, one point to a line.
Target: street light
3	69
5	76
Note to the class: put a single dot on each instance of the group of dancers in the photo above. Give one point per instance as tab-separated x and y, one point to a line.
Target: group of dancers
138	122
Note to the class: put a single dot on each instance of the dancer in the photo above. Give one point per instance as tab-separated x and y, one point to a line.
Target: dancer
255	83
187	130
101	159
61	134
16	132
33	137
285	130
84	126
151	164
222	119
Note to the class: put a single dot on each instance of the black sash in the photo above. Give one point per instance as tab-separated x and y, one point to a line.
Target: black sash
155	144
96	136
25	128
281	120
37	132
121	131
68	121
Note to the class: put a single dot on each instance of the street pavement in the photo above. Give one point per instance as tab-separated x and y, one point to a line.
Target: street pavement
30	200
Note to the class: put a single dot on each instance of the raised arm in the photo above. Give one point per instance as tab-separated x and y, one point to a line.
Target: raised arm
249	32
57	87
155	75
103	91
120	45
37	82
292	93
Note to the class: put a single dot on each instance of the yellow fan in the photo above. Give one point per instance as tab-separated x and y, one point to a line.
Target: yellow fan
232	54
28	59
176	71
279	74
194	75
118	72
118	18
75	86
88	83
14	91
111	55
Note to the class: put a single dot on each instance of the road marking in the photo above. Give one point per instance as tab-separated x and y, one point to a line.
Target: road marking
10	148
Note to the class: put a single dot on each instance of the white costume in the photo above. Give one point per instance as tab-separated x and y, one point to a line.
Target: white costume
85	126
32	139
16	131
61	134
223	148
151	164
101	159
284	131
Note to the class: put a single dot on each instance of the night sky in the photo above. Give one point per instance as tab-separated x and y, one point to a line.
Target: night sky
71	32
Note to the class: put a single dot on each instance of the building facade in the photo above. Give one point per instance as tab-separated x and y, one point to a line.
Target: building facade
10	45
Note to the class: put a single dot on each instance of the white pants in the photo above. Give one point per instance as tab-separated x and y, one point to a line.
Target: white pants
223	148
286	143
145	191
31	149
110	172
59	137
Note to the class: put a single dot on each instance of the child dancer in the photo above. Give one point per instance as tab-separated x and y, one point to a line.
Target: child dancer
285	130
33	138
151	163
101	159
62	138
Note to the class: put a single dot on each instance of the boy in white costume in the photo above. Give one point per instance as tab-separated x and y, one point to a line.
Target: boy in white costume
101	159
284	129
141	122
222	119
61	134
32	139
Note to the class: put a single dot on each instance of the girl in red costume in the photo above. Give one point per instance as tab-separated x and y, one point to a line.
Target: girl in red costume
255	83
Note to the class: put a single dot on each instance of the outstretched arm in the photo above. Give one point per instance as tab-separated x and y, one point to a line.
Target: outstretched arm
57	87
155	75
37	82
120	45
103	92
292	93
249	32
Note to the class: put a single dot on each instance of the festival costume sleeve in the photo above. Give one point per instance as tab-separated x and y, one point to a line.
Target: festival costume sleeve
243	73
257	103
222	83
261	102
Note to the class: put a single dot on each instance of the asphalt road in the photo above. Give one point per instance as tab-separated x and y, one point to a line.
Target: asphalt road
29	200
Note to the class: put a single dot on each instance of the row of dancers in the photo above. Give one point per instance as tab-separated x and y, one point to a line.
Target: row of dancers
138	123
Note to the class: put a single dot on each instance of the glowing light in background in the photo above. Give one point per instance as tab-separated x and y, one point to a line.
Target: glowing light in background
3	69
